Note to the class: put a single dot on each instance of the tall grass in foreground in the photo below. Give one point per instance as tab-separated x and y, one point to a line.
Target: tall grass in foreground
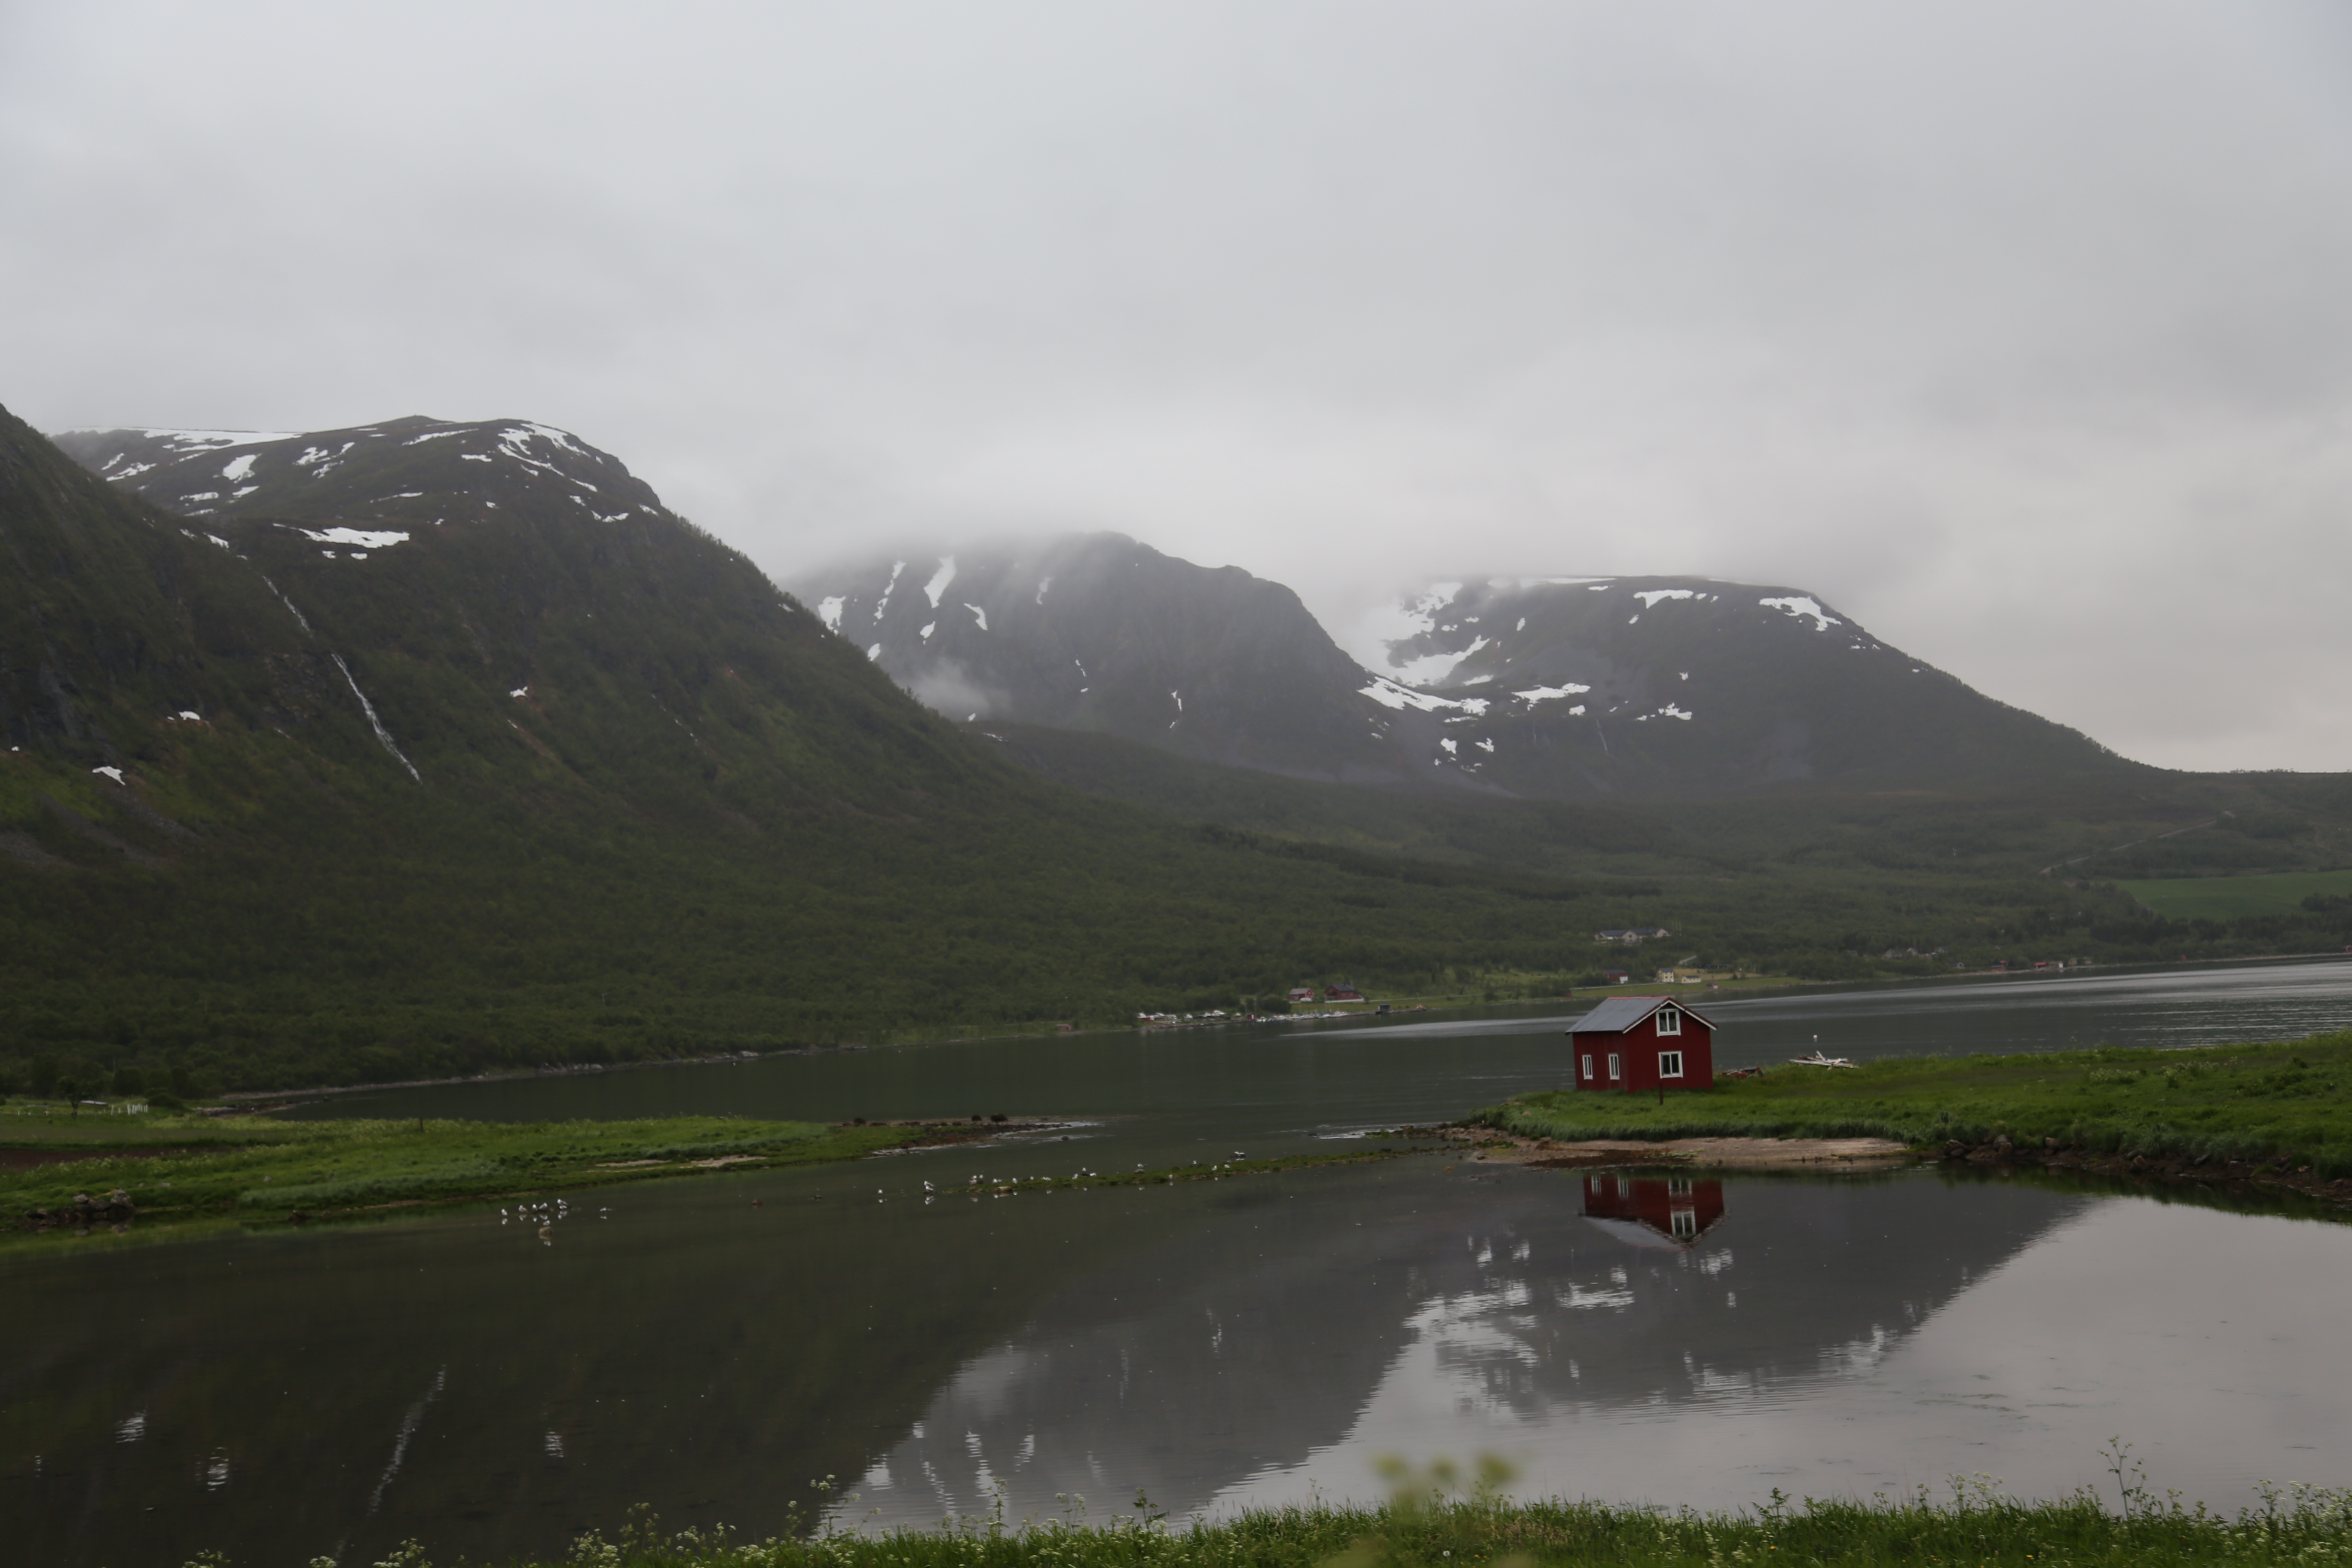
1431	1526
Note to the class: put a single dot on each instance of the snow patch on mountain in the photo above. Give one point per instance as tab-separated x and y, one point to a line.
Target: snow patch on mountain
889	588
515	440
938	587
1389	694
185	442
1804	606
365	539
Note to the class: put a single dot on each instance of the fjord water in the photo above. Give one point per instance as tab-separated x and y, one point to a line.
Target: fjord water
711	1347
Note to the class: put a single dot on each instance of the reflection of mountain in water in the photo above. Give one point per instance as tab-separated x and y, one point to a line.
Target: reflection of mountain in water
1239	1350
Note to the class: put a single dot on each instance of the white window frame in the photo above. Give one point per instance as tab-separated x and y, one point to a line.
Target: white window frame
1683	1224
1616	1067
1587	1067
1670	1064
1670	1021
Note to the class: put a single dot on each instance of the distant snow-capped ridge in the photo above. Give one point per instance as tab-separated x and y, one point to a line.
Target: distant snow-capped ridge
417	469
1528	686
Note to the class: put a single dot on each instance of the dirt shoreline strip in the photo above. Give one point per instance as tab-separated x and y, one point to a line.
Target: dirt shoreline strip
1828	1155
1700	1154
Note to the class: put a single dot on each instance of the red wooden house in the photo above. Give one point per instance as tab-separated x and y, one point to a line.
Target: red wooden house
1651	1211
1639	1043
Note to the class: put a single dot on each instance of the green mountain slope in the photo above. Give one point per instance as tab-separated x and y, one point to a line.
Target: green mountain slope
484	775
514	606
431	747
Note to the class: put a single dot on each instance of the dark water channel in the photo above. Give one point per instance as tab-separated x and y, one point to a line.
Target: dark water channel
289	1394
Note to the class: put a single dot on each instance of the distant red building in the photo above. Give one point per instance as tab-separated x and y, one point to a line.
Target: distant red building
1637	1043
1653	1211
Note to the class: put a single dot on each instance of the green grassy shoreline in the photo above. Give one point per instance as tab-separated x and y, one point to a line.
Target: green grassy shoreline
2281	1108
181	1174
1976	1525
182	1171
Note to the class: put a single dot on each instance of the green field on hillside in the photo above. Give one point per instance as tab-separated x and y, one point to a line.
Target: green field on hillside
2230	897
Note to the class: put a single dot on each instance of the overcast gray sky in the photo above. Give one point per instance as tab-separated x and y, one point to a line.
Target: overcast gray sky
2022	331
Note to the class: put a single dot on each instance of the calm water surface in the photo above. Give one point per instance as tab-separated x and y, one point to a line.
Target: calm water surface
332	1392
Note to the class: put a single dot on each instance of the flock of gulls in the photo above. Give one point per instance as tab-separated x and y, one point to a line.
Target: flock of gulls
546	1212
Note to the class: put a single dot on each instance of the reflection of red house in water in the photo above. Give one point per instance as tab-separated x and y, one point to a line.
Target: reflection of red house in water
1653	1211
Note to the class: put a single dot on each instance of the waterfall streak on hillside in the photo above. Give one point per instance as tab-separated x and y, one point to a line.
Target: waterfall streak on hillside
300	619
373	722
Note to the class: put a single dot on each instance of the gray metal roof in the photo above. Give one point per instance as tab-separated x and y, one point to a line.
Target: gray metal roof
1617	1014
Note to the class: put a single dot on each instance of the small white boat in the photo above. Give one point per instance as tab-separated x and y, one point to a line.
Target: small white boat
1819	1060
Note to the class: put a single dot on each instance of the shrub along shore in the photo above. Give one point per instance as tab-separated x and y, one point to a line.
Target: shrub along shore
1976	1525
2282	1112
